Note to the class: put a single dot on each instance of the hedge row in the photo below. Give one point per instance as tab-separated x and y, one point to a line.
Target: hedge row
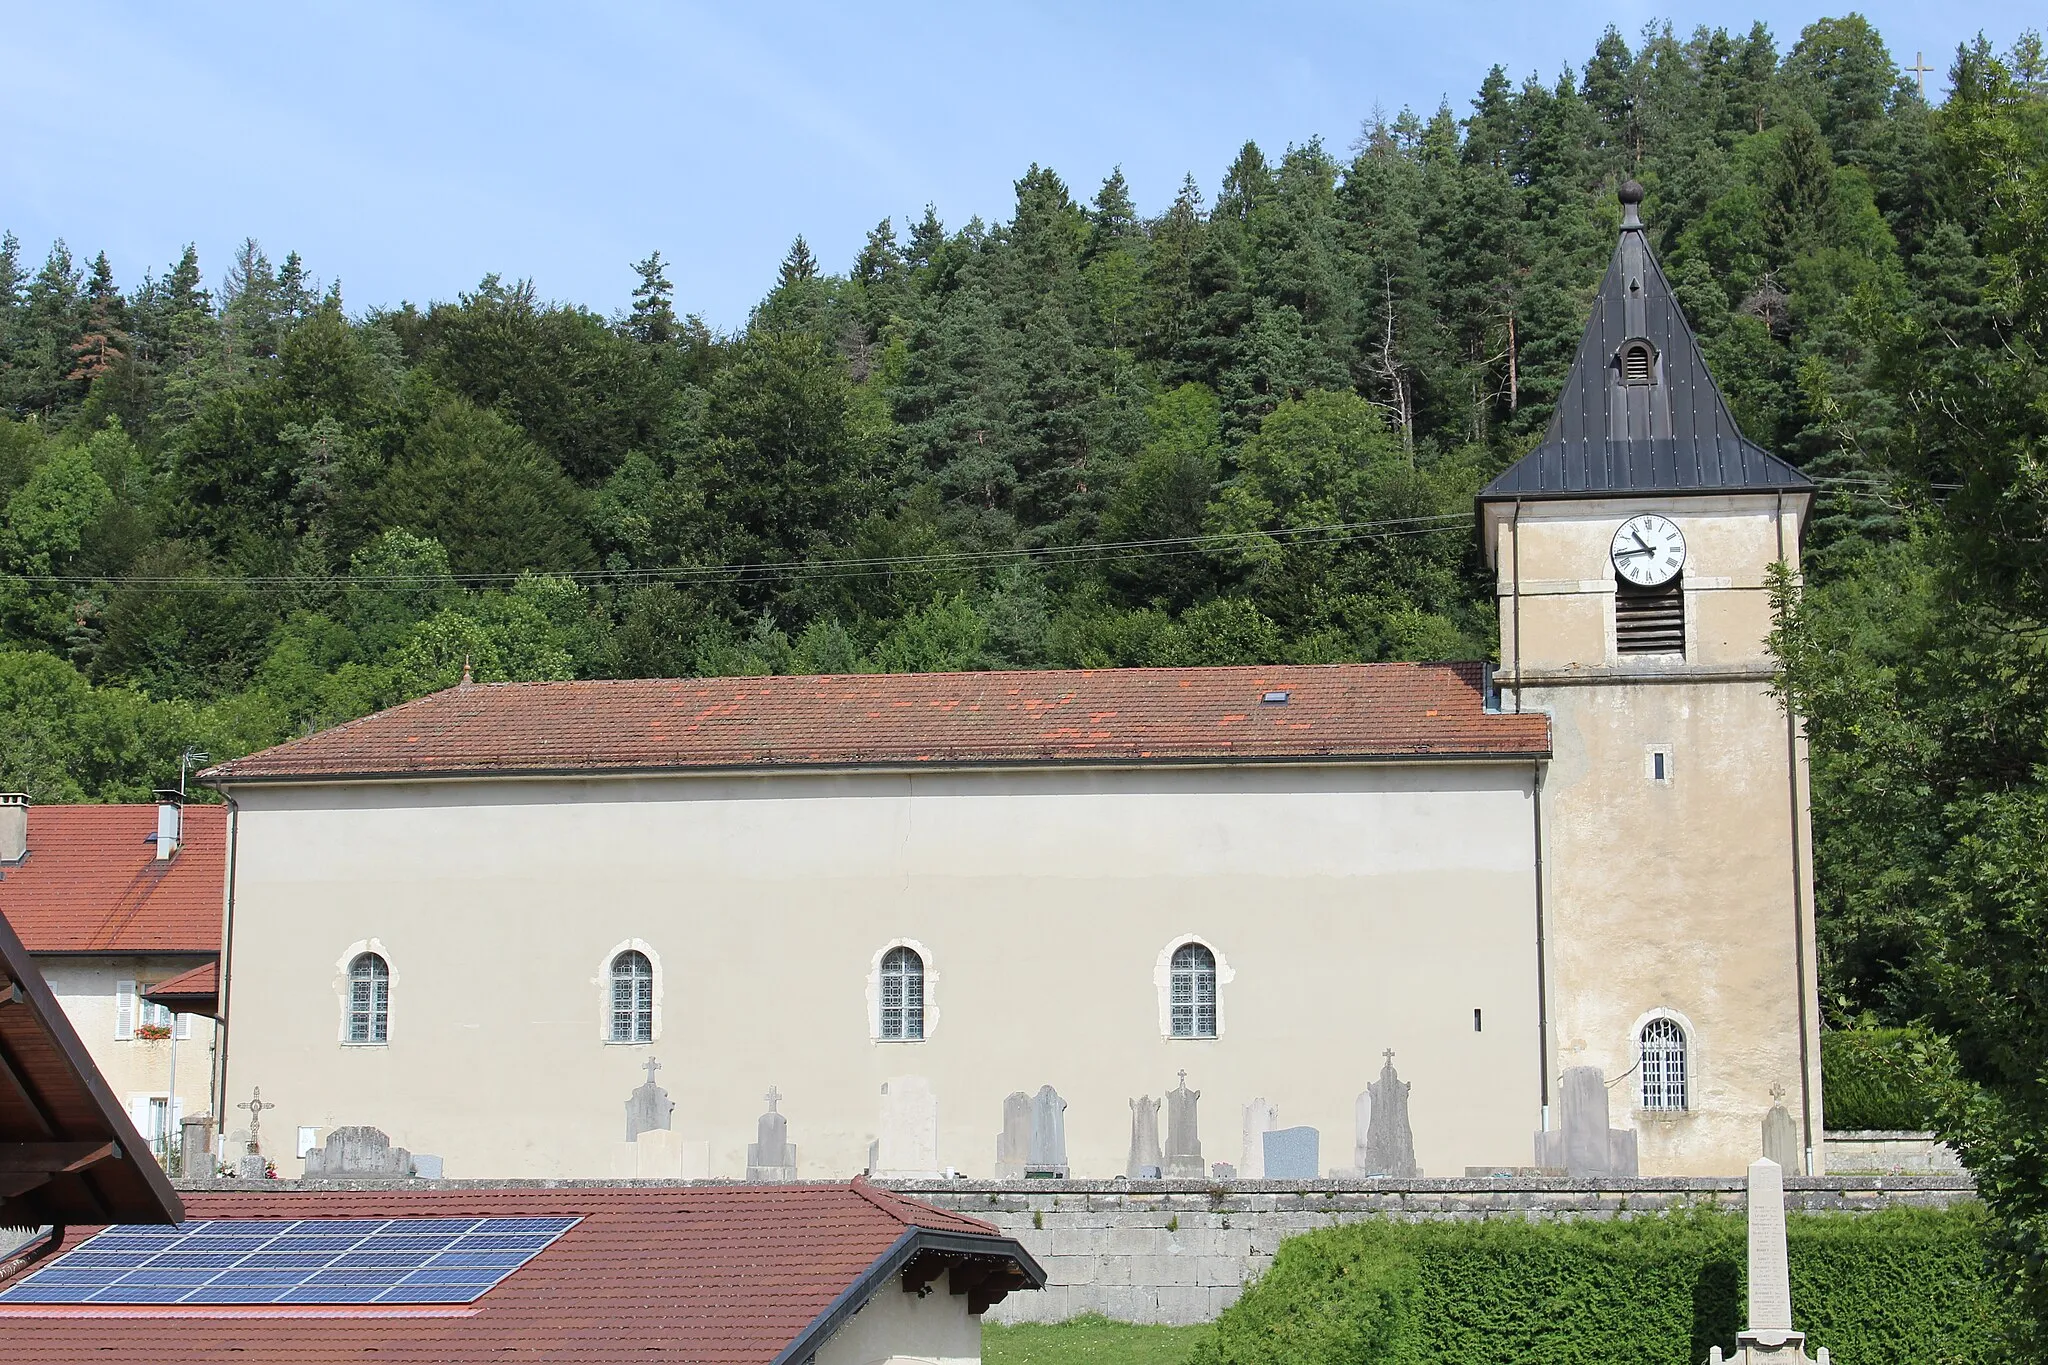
1903	1284
1881	1077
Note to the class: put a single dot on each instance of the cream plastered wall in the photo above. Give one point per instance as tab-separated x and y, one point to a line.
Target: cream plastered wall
134	1068
1358	908
893	1326
1689	897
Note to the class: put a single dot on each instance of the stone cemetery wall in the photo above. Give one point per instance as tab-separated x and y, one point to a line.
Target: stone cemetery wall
1182	1251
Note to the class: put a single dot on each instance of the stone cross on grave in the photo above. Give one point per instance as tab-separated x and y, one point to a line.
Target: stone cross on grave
774	1097
1388	1054
652	1067
255	1106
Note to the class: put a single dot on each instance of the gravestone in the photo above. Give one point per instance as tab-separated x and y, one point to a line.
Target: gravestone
1583	1145
1223	1170
1260	1118
253	1165
1013	1144
1781	1134
1183	1141
1048	1136
1145	1161
648	1108
1389	1141
195	1147
358	1153
771	1156
1292	1153
1361	1130
907	1139
426	1166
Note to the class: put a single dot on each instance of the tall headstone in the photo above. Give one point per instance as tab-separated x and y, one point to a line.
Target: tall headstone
1145	1161
1583	1145
907	1140
195	1147
771	1156
1781	1134
648	1108
1389	1141
1292	1153
1260	1118
1013	1146
1183	1140
1048	1136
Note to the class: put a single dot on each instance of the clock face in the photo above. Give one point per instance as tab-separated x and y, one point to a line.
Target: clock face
1648	550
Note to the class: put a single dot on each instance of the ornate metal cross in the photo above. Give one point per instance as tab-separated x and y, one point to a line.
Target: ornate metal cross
255	1106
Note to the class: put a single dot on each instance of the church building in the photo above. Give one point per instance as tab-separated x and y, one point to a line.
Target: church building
983	923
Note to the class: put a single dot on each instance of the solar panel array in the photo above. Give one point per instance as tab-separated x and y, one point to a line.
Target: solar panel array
305	1260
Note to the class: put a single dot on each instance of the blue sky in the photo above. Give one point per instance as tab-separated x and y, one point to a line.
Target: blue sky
410	149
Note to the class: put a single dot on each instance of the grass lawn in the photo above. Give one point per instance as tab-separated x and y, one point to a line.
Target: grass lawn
1086	1341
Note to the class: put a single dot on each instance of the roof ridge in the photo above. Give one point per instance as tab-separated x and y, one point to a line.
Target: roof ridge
895	1205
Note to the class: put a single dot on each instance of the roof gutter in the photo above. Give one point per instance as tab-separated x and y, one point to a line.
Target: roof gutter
890	1264
223	782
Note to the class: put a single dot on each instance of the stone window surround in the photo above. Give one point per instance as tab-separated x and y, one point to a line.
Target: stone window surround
344	990
874	993
1650	752
1162	984
1693	1068
603	984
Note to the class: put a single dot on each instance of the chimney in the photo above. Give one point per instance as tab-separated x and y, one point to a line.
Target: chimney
170	823
13	827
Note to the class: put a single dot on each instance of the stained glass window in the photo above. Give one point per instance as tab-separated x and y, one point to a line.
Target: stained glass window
1194	992
902	994
369	999
1663	1065
632	998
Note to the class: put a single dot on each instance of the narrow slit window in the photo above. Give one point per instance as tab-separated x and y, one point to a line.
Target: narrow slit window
369	999
632	998
1194	992
902	995
1664	1065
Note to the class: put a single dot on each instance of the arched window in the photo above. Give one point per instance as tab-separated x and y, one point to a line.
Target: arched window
632	998
902	994
1638	362
1194	992
1664	1083
369	999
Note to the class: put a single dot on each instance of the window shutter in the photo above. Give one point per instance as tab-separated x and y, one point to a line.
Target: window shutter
138	1114
124	1009
184	1026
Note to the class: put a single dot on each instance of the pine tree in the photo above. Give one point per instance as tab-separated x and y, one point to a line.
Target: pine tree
799	266
653	319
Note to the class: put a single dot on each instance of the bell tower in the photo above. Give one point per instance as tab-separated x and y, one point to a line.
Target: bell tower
1632	551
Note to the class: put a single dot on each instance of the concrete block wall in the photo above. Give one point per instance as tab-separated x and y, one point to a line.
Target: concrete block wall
1181	1252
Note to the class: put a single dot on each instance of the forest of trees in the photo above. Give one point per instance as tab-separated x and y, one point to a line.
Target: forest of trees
1247	428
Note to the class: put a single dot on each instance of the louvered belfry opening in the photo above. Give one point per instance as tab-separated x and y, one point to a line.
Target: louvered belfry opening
1638	363
1649	620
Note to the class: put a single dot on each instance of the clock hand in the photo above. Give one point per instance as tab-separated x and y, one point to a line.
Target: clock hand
1638	535
1624	554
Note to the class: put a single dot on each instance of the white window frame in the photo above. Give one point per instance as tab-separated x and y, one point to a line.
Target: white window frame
931	992
1162	985
344	991
602	981
637	1011
1690	1040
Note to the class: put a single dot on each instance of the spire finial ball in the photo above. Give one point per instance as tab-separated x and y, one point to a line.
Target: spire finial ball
1630	192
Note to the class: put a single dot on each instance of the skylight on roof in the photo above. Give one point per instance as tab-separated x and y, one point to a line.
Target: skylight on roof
1275	698
304	1261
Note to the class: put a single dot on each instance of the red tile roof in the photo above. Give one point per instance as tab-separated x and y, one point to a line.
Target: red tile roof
1347	711
92	882
725	1275
193	992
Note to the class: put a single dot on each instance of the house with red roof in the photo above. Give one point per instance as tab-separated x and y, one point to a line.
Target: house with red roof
842	1274
112	903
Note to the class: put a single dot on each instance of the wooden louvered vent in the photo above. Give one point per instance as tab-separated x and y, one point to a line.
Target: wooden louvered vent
1649	620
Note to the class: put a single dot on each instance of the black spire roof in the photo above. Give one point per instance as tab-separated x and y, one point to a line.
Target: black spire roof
1639	413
